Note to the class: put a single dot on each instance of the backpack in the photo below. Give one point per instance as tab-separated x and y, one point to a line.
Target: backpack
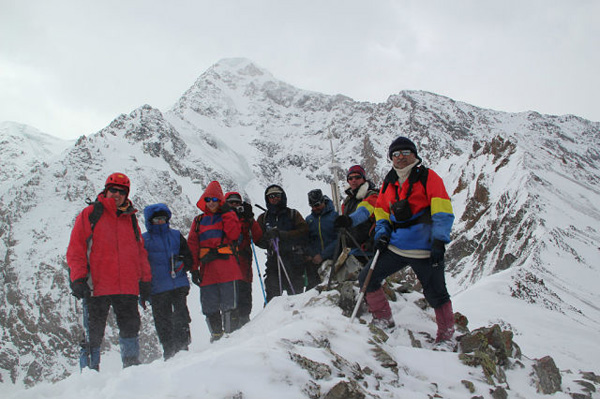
97	213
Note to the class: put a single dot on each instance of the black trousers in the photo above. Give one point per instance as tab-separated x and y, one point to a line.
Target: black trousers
432	278
126	311
273	276
172	320
244	299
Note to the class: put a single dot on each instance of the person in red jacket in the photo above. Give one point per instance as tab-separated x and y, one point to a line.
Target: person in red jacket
213	240
109	267
250	231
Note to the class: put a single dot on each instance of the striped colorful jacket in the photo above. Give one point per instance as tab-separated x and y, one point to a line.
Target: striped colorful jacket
422	230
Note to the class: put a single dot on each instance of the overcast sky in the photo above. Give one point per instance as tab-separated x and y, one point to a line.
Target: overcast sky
69	67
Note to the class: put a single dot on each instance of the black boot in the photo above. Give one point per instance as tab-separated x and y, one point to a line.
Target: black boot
215	326
231	320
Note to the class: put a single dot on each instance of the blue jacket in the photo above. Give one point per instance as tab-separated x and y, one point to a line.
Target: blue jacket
322	235
164	245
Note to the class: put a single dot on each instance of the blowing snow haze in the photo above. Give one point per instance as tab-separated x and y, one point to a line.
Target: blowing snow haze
524	189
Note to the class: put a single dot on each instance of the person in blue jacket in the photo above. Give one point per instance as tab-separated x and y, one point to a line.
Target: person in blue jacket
170	259
322	235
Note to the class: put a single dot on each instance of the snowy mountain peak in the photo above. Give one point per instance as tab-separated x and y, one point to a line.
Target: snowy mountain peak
523	189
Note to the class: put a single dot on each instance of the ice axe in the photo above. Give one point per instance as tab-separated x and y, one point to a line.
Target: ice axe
364	286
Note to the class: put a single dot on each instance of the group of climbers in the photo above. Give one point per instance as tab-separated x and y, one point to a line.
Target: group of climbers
407	222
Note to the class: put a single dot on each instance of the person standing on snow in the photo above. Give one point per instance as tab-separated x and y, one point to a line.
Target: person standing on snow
414	219
322	237
358	213
284	234
213	240
170	260
250	231
109	267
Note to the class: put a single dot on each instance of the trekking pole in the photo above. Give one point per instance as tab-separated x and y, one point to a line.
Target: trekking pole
262	285
364	286
357	244
336	254
275	243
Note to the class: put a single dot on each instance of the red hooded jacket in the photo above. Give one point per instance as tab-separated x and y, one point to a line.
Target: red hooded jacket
212	230
118	262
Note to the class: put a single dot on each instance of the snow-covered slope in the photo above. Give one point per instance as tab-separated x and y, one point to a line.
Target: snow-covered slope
524	188
23	148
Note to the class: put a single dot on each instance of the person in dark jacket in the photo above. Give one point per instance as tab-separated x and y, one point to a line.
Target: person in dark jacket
414	220
322	237
358	213
170	259
284	234
213	240
250	231
109	267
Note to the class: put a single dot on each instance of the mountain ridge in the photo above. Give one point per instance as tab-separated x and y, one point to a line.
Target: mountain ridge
504	173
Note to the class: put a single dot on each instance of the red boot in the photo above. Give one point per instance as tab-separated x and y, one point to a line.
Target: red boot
444	317
380	309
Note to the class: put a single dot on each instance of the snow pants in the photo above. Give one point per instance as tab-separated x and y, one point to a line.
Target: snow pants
172	320
244	301
125	308
275	278
432	278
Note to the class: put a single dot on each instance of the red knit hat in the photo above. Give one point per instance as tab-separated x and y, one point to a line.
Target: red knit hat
356	169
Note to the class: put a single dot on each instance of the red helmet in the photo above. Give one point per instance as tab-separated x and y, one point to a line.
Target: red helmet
117	179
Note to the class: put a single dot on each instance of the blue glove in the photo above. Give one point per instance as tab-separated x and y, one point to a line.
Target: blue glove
438	249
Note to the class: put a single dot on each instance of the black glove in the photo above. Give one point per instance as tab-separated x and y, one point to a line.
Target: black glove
247	214
343	221
438	249
382	243
272	233
80	288
196	277
145	291
225	208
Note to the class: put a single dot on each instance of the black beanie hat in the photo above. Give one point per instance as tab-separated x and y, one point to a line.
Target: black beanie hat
402	143
315	197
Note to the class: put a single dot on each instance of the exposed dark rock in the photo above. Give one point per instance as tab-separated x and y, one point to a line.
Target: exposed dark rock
548	376
317	370
346	390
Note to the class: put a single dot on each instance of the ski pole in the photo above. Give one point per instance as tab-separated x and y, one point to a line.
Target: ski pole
275	243
364	286
262	286
336	254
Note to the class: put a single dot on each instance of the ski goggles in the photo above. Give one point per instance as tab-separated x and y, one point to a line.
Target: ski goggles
274	195
159	219
115	190
209	199
404	153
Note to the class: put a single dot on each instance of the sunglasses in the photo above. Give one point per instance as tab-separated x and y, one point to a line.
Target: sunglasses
315	205
159	219
275	195
354	177
235	202
115	190
209	199
404	153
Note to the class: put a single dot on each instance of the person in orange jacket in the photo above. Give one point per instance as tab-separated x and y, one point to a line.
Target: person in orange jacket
109	267
213	241
250	231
